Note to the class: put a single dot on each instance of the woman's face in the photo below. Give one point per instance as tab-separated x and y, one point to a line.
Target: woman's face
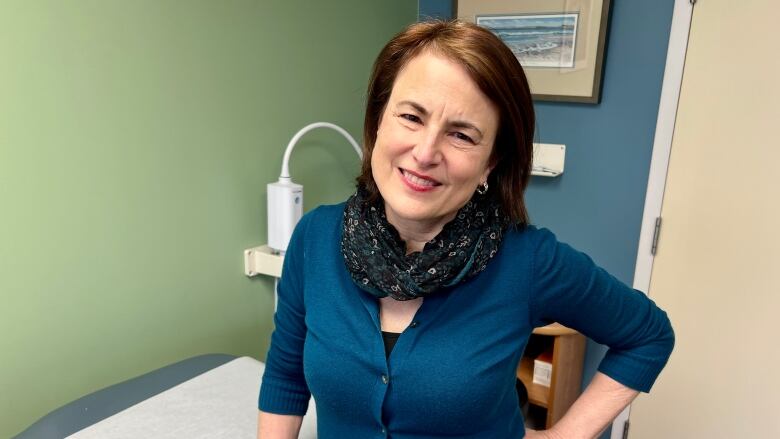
433	142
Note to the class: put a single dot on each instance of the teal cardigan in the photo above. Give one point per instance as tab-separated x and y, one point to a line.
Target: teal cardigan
452	371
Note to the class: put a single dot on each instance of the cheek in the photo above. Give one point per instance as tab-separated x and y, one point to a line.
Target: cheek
381	163
470	172
379	158
388	146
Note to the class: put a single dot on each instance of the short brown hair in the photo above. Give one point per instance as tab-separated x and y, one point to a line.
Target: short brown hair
497	73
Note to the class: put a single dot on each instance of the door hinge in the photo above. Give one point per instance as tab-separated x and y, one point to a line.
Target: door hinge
625	430
656	234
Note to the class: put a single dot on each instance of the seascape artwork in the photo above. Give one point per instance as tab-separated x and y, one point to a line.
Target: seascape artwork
537	40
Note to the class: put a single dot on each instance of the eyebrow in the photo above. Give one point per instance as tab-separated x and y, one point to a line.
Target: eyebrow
454	123
416	106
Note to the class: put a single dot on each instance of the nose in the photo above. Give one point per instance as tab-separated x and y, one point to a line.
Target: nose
427	151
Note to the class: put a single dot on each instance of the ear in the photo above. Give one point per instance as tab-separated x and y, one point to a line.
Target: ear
486	173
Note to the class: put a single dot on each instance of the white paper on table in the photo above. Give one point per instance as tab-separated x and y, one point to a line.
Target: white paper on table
220	403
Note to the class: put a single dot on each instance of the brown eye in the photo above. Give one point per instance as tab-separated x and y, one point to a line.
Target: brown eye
463	137
411	118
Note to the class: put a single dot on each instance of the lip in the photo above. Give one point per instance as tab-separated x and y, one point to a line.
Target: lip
416	187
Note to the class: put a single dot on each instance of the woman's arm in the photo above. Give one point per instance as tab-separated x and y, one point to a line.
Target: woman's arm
571	289
592	412
273	426
284	395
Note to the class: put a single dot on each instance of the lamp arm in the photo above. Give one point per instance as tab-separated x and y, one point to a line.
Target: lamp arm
285	175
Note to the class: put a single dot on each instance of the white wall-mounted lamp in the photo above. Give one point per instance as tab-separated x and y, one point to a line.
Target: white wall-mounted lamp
285	209
285	198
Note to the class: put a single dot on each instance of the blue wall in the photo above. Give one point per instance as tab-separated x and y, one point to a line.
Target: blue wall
596	205
435	9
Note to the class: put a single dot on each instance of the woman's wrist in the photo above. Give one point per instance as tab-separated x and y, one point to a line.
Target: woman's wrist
543	434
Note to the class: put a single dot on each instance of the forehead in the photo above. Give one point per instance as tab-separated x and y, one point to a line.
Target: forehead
436	81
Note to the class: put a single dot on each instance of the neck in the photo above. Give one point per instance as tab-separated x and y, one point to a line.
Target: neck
416	233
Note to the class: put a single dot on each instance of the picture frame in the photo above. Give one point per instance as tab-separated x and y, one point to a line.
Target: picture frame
559	43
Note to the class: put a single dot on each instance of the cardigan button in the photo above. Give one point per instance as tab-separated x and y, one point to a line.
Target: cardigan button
413	325
385	379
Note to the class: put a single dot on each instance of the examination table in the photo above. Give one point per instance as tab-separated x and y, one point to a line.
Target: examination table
208	396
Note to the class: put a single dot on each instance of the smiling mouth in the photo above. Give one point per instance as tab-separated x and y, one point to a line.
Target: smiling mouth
417	180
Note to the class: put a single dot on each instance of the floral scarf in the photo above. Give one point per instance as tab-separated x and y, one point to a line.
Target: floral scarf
376	256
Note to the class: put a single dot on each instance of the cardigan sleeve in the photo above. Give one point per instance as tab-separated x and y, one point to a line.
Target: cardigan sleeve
569	288
283	389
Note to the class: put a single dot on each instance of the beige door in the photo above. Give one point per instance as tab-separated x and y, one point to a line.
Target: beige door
717	269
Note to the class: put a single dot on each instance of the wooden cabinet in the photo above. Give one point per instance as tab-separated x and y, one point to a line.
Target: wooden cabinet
568	350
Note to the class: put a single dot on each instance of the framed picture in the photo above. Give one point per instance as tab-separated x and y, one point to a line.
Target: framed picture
559	43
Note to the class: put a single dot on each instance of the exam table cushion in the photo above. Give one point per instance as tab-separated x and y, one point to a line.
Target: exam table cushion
207	396
103	403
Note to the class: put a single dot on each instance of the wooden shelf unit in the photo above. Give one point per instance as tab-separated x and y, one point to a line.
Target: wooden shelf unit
568	353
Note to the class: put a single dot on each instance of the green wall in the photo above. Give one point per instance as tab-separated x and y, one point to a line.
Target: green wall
136	140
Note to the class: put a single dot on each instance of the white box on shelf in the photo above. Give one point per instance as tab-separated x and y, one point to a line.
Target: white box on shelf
543	369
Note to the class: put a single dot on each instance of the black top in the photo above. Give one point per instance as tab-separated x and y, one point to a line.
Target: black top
390	338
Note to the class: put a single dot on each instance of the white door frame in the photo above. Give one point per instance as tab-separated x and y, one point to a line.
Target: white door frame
659	164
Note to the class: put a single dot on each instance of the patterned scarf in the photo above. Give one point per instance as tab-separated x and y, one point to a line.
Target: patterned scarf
376	256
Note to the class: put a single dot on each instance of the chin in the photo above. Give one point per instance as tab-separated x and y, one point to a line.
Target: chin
412	210
415	215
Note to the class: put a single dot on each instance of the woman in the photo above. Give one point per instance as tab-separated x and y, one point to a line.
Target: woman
434	252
